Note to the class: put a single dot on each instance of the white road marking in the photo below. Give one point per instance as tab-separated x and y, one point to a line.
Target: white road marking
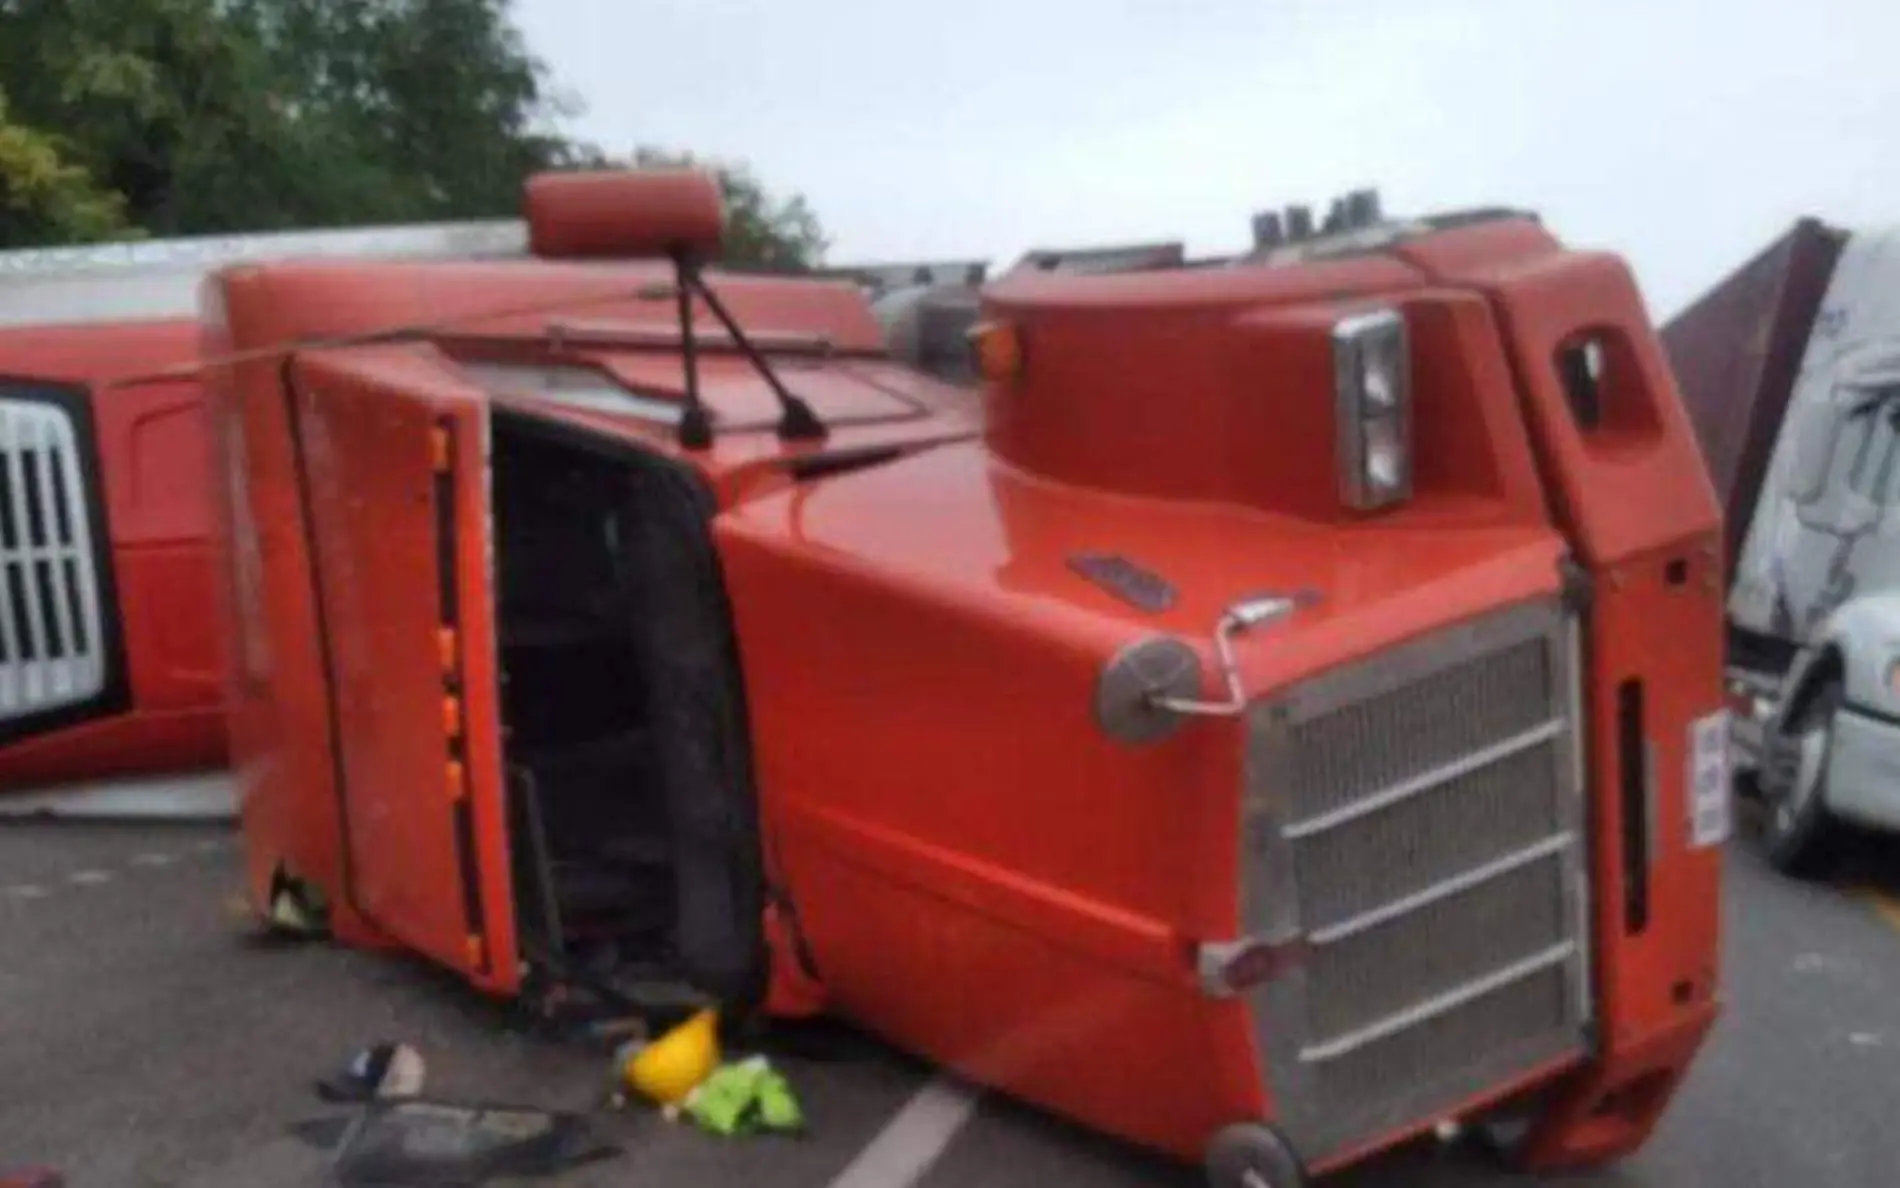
89	878
912	1140
25	891
1821	963
1865	1039
154	859
211	845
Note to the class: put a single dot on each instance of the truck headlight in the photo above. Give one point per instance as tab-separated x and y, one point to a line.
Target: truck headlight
1373	393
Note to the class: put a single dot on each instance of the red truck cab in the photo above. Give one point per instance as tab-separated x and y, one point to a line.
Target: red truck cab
1266	721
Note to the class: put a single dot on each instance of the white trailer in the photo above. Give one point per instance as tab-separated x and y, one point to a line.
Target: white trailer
1814	599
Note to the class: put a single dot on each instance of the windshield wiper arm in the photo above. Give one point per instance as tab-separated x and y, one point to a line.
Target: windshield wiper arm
796	420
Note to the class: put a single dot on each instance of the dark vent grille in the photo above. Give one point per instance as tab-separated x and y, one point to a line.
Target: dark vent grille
1418	819
49	593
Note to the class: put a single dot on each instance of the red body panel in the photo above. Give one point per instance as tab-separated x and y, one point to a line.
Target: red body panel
1639	504
153	451
280	718
1055	861
978	869
410	713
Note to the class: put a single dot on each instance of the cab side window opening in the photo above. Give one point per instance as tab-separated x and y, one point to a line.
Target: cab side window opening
1854	447
1827	444
1602	380
1884	446
1869	465
1581	366
632	824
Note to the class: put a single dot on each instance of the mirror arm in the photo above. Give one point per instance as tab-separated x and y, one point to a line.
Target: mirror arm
1238	619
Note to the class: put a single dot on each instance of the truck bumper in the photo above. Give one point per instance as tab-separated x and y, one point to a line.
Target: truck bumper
1863	782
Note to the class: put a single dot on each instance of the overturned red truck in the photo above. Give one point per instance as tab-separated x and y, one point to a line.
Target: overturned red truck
1275	716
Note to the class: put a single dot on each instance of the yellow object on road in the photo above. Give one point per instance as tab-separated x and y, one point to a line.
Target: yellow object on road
672	1066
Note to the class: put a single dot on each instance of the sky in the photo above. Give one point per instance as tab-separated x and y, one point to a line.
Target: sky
1683	135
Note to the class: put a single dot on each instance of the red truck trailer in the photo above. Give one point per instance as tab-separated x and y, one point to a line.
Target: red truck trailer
109	644
1271	718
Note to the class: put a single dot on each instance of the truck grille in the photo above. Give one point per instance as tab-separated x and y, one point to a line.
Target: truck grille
50	640
1415	823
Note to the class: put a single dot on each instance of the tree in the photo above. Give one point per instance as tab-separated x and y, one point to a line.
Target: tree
762	232
199	116
221	115
170	103
44	197
436	106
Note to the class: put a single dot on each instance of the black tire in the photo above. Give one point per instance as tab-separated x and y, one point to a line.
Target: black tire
1252	1155
1800	837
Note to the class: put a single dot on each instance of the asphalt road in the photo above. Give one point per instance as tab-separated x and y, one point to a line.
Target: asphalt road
147	1038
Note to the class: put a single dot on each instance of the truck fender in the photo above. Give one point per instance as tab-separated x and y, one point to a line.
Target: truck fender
1811	671
1855	645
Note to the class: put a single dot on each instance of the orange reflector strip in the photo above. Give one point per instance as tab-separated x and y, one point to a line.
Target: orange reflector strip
452	716
476	954
456	778
439	449
998	349
445	644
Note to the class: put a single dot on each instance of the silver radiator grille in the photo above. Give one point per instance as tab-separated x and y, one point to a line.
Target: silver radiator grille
1416	821
50	639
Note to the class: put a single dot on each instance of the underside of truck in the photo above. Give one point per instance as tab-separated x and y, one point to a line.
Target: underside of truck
633	823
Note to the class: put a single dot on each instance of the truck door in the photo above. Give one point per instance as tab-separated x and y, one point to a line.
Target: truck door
1848	458
395	483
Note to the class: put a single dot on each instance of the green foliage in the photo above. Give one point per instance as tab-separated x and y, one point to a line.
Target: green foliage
433	108
44	197
166	102
174	117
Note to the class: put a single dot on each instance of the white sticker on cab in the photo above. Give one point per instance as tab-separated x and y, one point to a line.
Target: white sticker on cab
1709	784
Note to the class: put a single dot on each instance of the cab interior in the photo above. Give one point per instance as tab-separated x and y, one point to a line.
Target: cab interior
632	820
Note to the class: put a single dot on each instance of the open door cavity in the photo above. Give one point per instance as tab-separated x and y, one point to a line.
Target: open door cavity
632	819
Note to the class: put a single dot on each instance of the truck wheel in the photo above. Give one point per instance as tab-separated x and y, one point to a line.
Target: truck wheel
1252	1155
1799	832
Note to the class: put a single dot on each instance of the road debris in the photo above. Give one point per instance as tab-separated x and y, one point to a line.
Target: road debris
743	1097
669	1068
380	1071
